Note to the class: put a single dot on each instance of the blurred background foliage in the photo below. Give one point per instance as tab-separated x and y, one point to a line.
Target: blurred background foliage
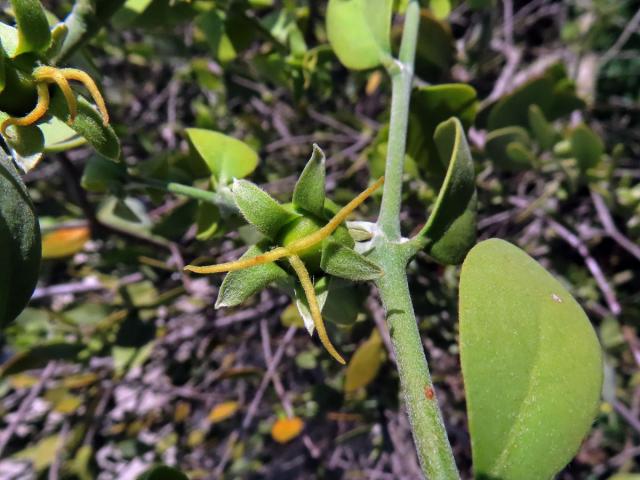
121	361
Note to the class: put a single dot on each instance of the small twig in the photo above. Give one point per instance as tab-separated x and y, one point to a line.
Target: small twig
7	434
610	227
277	383
54	470
625	413
591	264
253	407
630	29
250	313
88	284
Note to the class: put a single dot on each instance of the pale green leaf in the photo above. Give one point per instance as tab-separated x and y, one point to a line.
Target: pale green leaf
531	363
359	31
542	130
226	157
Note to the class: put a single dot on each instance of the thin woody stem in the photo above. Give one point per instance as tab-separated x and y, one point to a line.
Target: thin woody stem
34	115
314	308
295	247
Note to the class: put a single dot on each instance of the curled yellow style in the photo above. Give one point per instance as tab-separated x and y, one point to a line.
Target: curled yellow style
291	253
46	75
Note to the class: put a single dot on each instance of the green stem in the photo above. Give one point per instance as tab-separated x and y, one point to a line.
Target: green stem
427	426
401	72
392	254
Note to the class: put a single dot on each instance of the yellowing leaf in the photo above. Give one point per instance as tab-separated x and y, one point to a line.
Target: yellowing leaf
181	412
22	380
222	411
286	429
365	364
64	242
42	454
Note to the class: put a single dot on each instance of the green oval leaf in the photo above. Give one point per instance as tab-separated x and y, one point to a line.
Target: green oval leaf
260	209
309	191
33	28
19	243
531	363
359	31
88	123
226	157
451	229
239	285
542	130
497	144
586	146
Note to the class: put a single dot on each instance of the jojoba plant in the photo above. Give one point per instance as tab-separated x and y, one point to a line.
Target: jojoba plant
530	359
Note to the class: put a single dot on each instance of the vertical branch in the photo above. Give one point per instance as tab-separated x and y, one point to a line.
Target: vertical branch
401	72
392	254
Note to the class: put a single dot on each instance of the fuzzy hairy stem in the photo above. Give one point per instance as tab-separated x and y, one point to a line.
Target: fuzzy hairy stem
392	254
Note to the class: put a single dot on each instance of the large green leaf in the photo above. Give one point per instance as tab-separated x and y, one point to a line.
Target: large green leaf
359	31
19	243
430	106
241	284
531	362
451	229
226	157
309	191
33	27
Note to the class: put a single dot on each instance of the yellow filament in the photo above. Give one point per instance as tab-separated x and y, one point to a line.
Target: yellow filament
312	300
90	85
34	115
51	74
295	247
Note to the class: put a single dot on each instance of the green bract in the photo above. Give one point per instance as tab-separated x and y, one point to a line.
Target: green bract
359	31
531	362
497	147
19	243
